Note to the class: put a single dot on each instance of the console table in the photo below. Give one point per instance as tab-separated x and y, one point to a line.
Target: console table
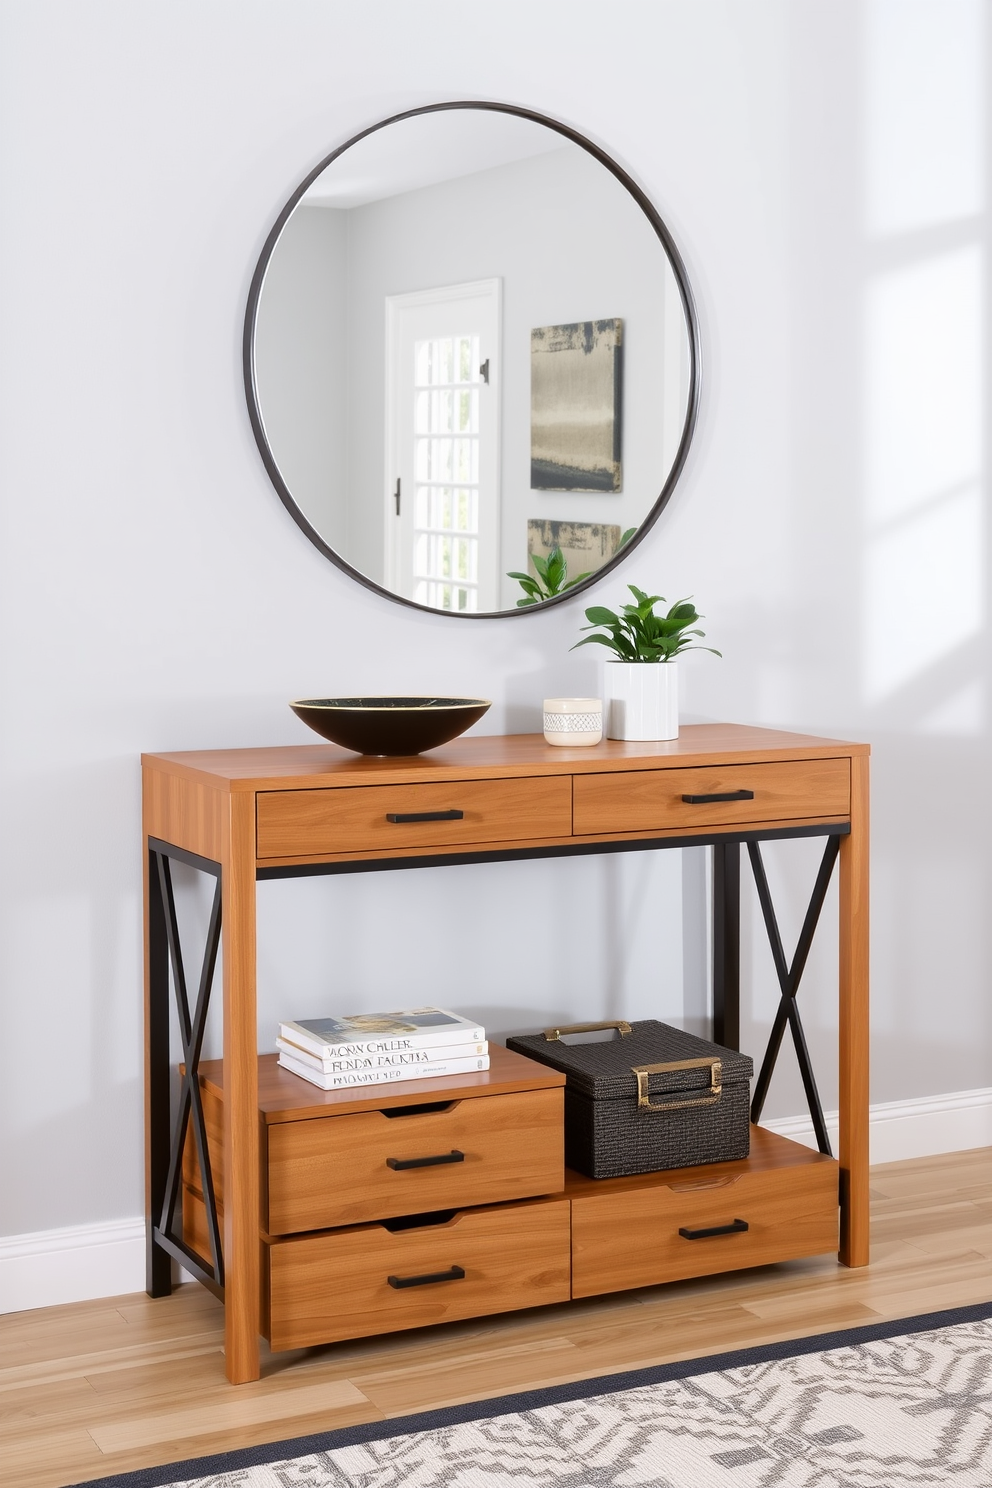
220	1192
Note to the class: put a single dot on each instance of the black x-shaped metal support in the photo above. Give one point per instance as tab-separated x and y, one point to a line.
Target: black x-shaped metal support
789	977
165	1195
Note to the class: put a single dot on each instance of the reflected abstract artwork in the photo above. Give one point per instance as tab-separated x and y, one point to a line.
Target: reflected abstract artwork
575	402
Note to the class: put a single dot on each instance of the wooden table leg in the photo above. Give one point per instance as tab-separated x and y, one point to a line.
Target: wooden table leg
241	1181
854	1024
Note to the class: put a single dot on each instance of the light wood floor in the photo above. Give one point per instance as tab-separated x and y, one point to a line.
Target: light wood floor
105	1387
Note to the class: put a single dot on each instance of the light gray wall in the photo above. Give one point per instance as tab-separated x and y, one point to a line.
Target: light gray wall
821	166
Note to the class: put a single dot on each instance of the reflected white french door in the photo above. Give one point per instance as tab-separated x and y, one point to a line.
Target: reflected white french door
442	446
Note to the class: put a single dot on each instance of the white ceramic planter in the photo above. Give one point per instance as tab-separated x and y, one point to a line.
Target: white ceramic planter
642	699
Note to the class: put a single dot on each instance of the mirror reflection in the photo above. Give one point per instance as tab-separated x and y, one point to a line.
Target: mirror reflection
470	353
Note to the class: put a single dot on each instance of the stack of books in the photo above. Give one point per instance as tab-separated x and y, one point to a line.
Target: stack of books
375	1048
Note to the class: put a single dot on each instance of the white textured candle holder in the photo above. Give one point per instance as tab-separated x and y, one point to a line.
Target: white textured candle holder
573	720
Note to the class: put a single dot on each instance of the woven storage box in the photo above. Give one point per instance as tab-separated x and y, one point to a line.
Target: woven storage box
625	1115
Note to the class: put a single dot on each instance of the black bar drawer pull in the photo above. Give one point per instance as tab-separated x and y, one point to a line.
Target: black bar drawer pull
398	1163
741	795
415	816
737	1228
399	1282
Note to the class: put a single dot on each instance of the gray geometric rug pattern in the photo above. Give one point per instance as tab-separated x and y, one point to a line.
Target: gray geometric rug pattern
895	1412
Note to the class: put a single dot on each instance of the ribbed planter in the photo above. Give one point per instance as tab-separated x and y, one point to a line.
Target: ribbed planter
642	699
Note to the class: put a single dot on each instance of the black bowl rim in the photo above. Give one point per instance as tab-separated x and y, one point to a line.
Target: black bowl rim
436	705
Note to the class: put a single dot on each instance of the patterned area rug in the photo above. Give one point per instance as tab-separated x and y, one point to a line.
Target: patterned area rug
896	1405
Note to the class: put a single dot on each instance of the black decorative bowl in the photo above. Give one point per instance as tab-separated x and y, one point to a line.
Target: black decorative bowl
390	725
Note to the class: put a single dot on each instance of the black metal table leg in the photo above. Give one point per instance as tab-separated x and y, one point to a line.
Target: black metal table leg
727	944
167	1136
158	1263
789	976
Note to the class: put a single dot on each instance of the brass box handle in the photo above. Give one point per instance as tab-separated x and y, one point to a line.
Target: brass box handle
645	1071
551	1034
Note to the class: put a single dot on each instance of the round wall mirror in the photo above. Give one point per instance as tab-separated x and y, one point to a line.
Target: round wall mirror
471	359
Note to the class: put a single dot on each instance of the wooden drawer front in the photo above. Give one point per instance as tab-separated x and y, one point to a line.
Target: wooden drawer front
639	800
355	819
632	1239
335	1171
321	1288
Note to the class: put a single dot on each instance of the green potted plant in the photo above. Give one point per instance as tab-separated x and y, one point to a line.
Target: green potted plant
642	696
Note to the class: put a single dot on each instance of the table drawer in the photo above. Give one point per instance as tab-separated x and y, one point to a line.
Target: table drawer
639	800
632	1238
310	823
321	1288
340	1170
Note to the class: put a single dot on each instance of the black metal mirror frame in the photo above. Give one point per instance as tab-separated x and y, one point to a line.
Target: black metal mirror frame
688	305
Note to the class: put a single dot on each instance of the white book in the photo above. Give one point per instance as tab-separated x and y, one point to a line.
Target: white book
382	1033
382	1077
335	1064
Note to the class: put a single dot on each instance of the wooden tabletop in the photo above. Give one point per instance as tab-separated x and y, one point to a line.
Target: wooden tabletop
487	756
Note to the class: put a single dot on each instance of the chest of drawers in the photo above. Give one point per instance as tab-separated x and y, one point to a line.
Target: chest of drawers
390	1207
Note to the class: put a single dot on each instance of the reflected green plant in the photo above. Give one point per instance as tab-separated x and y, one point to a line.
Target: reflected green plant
552	575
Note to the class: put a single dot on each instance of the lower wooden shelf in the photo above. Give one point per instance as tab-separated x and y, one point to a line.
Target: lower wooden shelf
465	1257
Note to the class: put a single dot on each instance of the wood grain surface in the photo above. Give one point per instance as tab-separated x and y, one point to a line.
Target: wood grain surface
283	1096
321	1288
323	766
302	823
642	800
854	1024
189	814
630	1236
335	1171
240	1116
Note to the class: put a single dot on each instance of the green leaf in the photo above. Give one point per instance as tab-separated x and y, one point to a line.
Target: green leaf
590	640
599	615
570	583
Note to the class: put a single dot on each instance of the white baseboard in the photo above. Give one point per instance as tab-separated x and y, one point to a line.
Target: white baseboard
76	1264
71	1265
913	1128
85	1262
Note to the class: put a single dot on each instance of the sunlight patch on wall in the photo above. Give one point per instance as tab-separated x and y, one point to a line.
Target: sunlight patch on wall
923	113
924	562
923	591
923	359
